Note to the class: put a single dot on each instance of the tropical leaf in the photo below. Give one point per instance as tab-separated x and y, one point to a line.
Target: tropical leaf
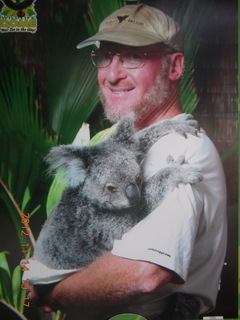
103	135
11	293
56	190
26	198
192	30
71	99
98	10
5	279
19	294
23	144
16	214
22	139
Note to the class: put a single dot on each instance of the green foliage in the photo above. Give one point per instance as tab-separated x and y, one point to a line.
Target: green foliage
192	29
23	143
10	284
98	10
22	137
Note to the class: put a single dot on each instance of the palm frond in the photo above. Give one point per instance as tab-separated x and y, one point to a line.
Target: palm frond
23	144
72	92
22	139
74	96
98	10
5	283
192	29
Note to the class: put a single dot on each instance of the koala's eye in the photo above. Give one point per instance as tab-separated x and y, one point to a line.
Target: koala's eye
111	188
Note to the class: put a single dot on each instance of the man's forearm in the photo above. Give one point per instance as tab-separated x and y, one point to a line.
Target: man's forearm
110	280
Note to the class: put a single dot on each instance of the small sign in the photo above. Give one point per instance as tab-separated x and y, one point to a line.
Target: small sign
19	16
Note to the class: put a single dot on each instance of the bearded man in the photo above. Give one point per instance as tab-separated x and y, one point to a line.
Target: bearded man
180	247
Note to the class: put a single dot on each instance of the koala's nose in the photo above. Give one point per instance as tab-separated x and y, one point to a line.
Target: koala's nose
133	193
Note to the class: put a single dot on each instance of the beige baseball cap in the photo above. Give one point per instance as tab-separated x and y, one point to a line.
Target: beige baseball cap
138	25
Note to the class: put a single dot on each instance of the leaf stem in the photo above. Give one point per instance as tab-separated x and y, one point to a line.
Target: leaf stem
32	239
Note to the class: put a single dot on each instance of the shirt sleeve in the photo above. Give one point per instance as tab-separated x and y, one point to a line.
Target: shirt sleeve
166	236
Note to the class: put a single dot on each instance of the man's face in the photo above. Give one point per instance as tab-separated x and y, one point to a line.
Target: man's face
137	90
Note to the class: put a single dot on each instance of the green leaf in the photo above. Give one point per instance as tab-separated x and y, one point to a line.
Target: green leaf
103	135
26	198
18	292
98	10
23	143
30	12
3	261
5	279
6	12
35	210
192	30
55	192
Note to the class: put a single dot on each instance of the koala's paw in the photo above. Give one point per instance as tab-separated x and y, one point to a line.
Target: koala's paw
190	175
180	160
182	172
185	124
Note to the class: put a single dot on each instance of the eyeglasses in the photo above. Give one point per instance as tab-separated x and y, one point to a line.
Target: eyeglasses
130	60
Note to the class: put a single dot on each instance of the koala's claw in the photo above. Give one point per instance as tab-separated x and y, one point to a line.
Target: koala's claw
193	175
180	160
183	173
185	124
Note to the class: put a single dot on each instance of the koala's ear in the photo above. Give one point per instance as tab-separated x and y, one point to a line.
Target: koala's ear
126	129
71	159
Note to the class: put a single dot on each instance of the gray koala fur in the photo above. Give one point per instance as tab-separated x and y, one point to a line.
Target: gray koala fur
105	195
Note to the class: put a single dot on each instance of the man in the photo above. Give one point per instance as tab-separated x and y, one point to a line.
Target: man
180	247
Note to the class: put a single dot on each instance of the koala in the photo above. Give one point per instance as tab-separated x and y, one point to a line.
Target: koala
106	195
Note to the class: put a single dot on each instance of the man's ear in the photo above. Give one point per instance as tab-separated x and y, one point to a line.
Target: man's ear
71	159
176	66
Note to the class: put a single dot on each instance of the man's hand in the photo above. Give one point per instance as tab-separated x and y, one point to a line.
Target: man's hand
40	294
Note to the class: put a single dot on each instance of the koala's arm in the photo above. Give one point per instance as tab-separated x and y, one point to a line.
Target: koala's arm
109	280
182	124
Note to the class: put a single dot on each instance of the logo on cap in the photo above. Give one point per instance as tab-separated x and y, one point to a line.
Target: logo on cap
122	18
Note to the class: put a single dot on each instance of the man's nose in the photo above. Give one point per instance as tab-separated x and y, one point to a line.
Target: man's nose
116	71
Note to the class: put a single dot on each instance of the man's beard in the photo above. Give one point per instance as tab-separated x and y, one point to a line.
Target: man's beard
156	97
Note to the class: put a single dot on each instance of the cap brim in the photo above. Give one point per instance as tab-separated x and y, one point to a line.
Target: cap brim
132	39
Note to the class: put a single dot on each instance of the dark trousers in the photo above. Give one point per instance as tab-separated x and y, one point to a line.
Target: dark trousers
181	307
